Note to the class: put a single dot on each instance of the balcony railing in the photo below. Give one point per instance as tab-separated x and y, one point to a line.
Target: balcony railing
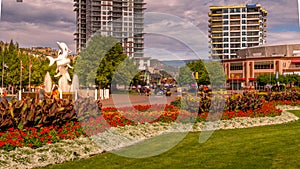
216	29
216	18
235	23
235	29
253	23
235	17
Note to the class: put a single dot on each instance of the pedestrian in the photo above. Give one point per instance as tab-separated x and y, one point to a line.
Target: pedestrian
99	106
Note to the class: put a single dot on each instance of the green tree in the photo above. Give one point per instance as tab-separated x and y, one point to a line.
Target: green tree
199	66
99	61
282	79
126	72
137	79
88	62
185	76
216	74
12	56
209	72
165	74
109	64
263	79
293	79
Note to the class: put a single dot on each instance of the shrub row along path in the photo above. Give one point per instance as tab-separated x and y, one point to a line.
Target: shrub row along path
124	100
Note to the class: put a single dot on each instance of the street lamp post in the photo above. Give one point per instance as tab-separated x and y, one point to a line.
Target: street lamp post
21	76
30	64
2	77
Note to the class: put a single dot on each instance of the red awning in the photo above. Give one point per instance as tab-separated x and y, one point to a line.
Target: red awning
251	79
295	61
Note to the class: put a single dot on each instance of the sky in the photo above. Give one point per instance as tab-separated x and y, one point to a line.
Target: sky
175	29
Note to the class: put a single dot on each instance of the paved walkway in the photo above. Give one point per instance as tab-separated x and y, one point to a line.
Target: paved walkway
123	100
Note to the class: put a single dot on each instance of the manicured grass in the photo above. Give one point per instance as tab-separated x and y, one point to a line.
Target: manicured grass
264	147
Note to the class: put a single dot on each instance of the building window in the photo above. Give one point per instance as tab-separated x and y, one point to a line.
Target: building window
243	15
226	51
236	66
243	21
225	10
243	38
225	33
225	22
284	64
295	65
243	27
243	33
226	45
264	65
225	28
235	10
225	16
225	39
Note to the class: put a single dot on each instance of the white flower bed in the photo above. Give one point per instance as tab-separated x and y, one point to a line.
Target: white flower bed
119	137
66	150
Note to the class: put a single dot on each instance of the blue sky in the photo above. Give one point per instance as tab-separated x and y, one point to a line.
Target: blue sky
178	28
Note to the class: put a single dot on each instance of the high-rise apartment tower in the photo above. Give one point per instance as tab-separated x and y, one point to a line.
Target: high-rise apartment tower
235	27
121	19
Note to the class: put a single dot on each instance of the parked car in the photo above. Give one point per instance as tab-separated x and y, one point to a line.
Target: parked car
158	92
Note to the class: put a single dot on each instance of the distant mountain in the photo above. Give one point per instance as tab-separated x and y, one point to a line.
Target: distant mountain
176	63
170	66
172	70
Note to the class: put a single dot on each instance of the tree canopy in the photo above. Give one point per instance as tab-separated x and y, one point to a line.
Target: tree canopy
209	72
103	60
265	79
11	55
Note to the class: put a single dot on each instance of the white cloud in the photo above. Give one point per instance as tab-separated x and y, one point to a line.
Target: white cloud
30	34
38	23
185	33
43	22
283	38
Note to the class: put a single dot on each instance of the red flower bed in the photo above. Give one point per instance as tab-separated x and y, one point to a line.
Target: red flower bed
289	102
37	137
94	122
141	108
267	109
131	116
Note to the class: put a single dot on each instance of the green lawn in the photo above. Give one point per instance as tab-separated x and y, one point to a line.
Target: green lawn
275	146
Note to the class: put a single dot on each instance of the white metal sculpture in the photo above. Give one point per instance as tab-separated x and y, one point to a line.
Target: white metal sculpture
62	63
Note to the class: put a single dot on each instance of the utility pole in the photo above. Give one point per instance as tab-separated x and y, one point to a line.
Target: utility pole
30	65
21	76
2	77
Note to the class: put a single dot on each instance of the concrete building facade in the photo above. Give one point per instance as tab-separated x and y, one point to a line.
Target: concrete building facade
121	19
254	61
235	27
